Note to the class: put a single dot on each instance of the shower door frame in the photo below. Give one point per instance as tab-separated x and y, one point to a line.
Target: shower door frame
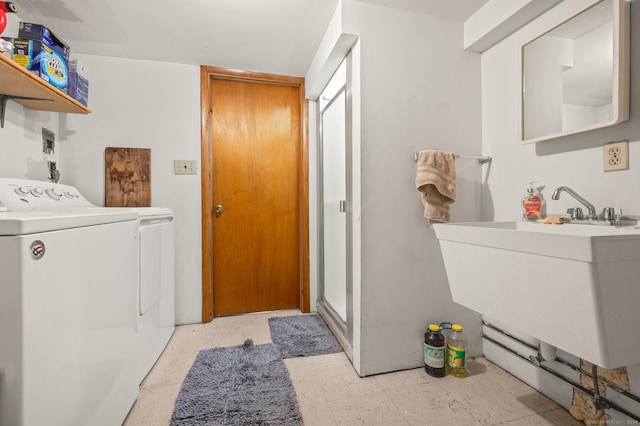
345	328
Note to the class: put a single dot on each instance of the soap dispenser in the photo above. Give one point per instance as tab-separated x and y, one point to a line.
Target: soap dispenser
532	204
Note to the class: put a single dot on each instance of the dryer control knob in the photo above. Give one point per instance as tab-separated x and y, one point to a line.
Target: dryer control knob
54	193
37	191
22	190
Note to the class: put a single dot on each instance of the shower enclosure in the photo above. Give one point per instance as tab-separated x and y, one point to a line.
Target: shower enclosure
335	295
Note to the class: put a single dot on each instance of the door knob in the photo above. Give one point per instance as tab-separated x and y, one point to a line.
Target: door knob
218	210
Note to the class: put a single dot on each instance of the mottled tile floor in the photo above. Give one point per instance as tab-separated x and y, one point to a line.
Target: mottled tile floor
331	393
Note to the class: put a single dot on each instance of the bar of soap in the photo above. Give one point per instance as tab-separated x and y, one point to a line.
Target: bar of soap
554	220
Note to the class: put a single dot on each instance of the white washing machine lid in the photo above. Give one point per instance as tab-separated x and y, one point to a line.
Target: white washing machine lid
31	222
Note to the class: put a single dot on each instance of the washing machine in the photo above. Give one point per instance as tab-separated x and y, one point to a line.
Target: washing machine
68	307
156	285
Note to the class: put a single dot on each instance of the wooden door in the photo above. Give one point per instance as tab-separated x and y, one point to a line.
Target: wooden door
255	146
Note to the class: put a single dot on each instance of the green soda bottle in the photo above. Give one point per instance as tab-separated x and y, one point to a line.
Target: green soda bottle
457	352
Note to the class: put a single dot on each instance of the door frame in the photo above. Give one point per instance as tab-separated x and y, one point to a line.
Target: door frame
206	161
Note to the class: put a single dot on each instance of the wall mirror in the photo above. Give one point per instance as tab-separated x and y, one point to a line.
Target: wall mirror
575	76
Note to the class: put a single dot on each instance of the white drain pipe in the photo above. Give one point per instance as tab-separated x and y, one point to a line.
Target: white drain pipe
546	351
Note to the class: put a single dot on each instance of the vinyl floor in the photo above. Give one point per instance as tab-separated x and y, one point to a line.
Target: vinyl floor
330	392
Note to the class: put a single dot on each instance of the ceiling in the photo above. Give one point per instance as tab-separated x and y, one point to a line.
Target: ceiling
274	36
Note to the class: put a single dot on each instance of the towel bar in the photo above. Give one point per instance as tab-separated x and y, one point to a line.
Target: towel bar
481	159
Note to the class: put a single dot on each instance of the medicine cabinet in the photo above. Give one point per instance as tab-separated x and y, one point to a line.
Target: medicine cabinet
575	76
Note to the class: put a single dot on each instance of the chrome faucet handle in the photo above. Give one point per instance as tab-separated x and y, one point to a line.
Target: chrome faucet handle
609	213
575	213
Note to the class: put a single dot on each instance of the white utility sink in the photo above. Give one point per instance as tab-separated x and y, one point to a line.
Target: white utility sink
576	287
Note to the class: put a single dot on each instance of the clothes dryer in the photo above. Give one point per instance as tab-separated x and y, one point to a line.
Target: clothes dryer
156	285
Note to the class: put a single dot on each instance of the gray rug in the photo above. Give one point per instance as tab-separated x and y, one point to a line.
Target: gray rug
243	385
302	335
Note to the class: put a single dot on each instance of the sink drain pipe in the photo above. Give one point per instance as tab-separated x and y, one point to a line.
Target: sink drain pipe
547	352
600	401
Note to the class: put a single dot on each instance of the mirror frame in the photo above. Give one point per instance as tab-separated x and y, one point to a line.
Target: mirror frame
620	89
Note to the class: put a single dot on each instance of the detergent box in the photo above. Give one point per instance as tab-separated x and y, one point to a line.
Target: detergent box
43	53
78	81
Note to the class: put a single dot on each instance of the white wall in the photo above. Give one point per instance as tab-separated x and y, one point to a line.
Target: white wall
574	161
419	90
21	142
144	104
138	104
21	138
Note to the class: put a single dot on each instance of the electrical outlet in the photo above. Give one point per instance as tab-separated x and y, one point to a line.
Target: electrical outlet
616	156
184	167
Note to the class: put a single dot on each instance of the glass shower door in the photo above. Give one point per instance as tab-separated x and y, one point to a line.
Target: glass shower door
334	199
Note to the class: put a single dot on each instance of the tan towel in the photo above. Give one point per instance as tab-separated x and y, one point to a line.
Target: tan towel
436	181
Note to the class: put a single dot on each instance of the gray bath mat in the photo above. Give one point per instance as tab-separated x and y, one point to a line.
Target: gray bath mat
302	335
243	385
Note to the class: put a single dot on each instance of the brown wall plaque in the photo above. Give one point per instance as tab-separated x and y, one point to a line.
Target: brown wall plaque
127	177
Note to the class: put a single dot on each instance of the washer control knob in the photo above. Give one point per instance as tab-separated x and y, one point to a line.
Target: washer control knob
70	195
54	193
37	191
22	190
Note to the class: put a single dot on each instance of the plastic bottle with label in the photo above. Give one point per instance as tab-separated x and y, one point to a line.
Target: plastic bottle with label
457	352
434	351
532	205
445	329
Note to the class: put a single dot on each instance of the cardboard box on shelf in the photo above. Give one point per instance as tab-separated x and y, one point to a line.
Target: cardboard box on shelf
43	53
78	81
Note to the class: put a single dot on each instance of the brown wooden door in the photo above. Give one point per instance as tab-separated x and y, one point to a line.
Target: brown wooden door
255	138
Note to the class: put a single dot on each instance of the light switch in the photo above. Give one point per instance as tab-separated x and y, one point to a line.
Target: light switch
184	167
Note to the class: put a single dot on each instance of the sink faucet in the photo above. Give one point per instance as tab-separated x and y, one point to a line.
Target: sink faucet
588	205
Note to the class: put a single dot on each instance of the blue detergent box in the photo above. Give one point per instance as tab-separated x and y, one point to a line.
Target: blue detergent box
43	53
